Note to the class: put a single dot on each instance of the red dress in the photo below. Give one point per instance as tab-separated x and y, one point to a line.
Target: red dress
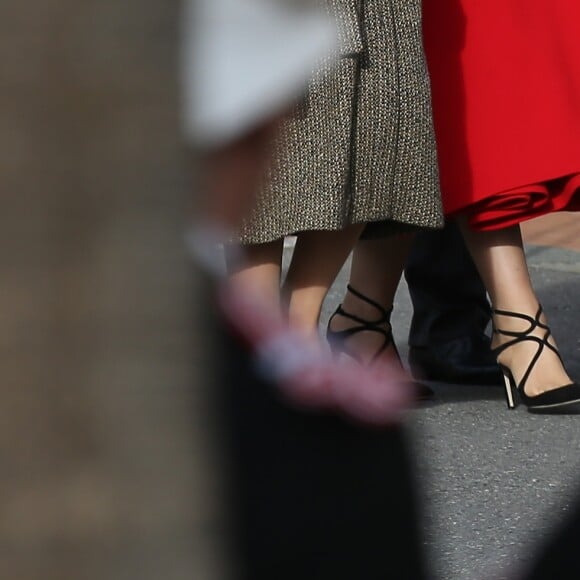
506	103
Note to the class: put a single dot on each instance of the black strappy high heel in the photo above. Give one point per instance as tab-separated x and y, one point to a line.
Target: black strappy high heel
559	397
337	339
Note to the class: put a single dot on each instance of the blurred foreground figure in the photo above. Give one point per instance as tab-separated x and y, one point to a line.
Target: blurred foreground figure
317	470
559	557
96	433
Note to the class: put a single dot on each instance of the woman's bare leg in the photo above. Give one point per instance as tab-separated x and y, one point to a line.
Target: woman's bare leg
500	258
232	178
317	260
258	270
376	271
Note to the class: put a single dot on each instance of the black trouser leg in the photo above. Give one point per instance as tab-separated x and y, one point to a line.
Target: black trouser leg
449	299
450	311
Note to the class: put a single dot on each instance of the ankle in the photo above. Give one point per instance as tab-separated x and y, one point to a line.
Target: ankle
522	320
368	312
304	323
344	319
365	307
516	313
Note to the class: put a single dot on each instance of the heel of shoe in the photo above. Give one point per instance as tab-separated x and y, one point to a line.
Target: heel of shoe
565	397
509	392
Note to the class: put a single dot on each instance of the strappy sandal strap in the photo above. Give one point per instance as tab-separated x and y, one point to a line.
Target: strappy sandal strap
363	324
519	336
525	336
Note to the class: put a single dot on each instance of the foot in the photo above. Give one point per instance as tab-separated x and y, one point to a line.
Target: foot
366	345
362	330
464	360
371	347
548	372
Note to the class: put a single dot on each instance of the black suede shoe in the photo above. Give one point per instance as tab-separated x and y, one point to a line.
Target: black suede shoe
464	361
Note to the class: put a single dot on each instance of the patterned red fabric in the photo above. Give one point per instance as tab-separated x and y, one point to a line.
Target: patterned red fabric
506	102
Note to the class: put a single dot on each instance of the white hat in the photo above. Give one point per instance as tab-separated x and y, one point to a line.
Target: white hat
245	60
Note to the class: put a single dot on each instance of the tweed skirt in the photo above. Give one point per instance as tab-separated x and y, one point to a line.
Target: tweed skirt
361	147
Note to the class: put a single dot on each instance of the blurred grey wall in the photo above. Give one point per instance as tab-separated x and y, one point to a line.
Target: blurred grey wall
100	461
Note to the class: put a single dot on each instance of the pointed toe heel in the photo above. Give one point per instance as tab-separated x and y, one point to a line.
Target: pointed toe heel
559	398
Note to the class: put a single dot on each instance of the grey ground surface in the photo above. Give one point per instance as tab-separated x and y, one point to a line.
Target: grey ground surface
494	480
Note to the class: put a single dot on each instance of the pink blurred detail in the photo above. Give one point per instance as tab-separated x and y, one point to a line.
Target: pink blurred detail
307	375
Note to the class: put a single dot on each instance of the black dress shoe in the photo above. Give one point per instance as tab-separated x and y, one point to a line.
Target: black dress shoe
465	360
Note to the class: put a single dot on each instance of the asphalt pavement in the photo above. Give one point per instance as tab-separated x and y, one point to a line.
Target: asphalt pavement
494	481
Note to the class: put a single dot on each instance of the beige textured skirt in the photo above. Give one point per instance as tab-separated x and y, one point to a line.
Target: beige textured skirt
361	147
